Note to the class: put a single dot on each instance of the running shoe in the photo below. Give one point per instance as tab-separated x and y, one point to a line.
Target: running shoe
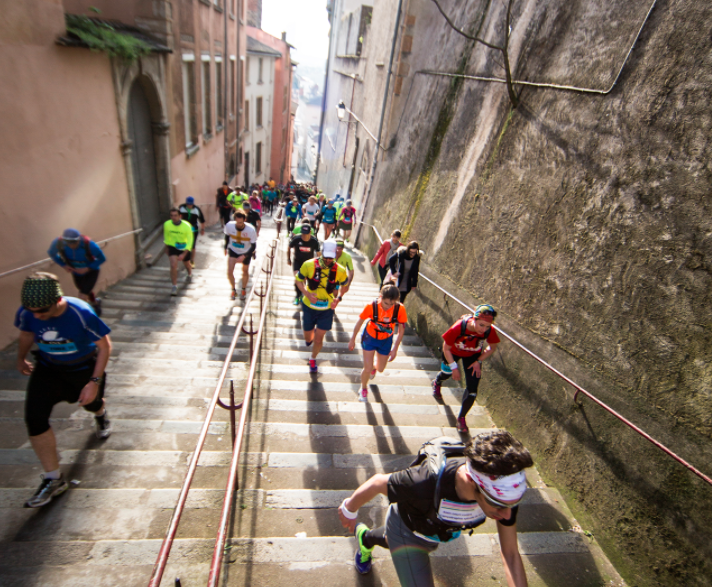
373	374
97	306
103	426
48	489
363	558
462	426
233	294
189	278
312	366
174	290
243	294
363	395
296	301
436	389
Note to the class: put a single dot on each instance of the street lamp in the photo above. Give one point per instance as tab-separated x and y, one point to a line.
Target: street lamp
341	110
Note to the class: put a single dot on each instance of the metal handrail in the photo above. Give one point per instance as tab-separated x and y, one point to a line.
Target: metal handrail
575	385
36	263
165	550
218	552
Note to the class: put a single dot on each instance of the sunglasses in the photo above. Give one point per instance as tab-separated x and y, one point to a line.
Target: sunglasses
498	504
40	310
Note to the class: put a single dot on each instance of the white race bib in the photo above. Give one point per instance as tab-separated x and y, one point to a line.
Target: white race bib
455	512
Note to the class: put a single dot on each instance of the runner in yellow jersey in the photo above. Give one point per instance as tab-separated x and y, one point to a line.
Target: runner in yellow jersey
319	280
178	238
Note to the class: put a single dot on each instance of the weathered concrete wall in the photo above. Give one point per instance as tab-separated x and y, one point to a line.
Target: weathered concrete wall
586	220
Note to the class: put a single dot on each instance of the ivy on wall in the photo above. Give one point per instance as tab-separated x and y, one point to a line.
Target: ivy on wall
101	36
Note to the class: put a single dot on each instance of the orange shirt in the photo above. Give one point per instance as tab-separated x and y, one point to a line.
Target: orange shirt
384	329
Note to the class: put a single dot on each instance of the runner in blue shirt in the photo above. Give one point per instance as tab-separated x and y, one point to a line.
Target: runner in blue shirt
82	257
328	218
74	349
292	211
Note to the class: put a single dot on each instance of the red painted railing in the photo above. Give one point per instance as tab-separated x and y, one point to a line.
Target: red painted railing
164	552
577	387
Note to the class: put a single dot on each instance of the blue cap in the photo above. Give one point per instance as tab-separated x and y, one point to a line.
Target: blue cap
190	200
71	234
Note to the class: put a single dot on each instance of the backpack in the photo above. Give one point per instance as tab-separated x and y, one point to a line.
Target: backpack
384	327
87	250
436	452
315	282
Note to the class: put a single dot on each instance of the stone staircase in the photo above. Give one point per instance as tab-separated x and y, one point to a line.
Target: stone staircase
309	443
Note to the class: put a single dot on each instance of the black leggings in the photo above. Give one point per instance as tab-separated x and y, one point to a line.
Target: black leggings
290	224
471	382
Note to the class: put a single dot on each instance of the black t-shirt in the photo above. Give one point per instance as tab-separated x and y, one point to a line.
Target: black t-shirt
303	250
253	217
413	489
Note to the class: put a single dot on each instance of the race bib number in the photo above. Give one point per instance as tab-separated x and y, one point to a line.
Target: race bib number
58	348
465	514
321	304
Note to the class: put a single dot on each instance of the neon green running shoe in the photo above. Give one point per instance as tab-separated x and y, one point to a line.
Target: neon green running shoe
363	557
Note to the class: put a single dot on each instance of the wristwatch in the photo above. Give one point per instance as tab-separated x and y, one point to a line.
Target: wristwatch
96	380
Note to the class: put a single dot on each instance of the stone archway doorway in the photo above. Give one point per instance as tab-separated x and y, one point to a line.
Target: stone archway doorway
143	159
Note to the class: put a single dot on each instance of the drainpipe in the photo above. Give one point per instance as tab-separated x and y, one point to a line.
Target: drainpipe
323	99
380	124
226	61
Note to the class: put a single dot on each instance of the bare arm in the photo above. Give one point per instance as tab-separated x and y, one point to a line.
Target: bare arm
370	489
26	340
511	559
352	342
396	344
89	391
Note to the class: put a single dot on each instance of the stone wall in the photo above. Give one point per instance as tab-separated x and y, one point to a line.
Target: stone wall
585	219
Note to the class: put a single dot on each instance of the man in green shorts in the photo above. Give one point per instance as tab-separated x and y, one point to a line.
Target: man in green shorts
344	259
178	238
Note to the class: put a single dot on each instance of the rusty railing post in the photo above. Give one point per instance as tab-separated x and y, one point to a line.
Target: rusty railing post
232	412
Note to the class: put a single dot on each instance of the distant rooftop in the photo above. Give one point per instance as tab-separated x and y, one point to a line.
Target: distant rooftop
258	48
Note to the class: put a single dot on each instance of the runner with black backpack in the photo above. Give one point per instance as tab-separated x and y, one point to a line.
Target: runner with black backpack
383	314
473	340
450	488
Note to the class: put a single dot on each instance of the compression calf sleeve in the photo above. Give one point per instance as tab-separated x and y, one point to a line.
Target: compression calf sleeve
375	537
467	404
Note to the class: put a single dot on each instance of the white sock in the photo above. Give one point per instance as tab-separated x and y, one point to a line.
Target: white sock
53	474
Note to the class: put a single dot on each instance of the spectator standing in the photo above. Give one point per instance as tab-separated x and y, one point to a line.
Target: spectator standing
82	257
385	252
404	266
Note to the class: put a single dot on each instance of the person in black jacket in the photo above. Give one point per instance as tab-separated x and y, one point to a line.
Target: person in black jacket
404	266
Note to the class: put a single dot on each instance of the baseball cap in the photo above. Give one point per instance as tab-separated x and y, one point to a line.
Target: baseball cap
339	242
348	202
329	250
71	234
246	205
190	200
306	229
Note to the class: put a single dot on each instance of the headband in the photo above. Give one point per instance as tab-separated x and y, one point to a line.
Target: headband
40	292
502	487
485	312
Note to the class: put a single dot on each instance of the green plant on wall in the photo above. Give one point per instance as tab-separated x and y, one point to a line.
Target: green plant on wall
101	36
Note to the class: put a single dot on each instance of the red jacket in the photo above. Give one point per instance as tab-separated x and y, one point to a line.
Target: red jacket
382	253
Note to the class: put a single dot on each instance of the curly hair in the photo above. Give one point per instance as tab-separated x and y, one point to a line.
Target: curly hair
497	453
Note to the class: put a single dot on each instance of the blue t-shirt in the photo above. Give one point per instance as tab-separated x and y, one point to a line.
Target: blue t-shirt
293	211
328	215
77	257
66	338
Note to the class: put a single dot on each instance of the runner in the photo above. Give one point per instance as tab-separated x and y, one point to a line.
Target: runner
178	238
344	259
82	257
236	198
224	207
292	211
318	280
240	245
473	340
193	215
327	217
385	252
252	217
298	228
311	210
404	266
256	202
382	314
306	246
346	219
486	481
74	349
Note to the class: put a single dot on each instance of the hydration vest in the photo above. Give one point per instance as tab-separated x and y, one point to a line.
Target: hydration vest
384	327
313	283
87	250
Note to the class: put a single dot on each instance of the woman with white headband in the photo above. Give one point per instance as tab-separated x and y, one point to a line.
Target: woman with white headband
488	481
